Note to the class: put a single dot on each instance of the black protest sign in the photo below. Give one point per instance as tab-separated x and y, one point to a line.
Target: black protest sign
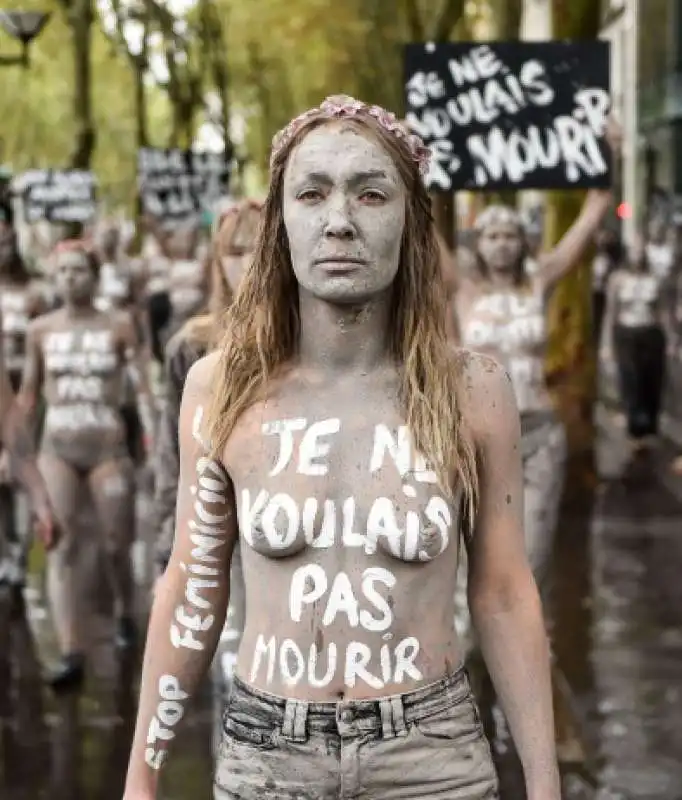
57	195
180	184
511	115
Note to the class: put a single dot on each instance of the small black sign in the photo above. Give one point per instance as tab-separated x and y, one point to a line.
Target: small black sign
57	195
181	184
511	115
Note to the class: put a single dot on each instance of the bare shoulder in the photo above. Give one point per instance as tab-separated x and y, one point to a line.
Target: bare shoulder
488	402
44	323
200	378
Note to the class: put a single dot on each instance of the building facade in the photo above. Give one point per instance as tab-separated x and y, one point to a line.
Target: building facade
659	95
620	28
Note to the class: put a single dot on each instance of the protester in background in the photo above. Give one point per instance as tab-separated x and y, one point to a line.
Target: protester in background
232	248
20	301
188	275
157	290
19	665
503	314
634	333
76	358
609	257
118	288
19	450
659	248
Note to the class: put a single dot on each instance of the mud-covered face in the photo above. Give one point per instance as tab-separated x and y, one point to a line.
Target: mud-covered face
74	279
344	212
500	245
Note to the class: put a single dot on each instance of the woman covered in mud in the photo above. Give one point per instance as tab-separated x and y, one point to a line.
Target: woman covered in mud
635	334
119	287
337	436
17	445
76	359
502	313
20	301
232	248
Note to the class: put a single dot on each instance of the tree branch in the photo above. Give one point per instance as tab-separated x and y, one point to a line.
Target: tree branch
450	15
414	23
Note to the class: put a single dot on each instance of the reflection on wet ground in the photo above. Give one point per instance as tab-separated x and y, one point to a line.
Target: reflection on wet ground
617	640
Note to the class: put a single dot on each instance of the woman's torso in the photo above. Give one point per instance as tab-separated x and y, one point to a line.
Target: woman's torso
637	299
509	325
349	547
84	370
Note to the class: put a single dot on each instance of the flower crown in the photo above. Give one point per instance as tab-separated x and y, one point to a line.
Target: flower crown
498	215
341	105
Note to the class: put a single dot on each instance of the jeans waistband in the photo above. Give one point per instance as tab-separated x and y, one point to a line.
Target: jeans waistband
389	716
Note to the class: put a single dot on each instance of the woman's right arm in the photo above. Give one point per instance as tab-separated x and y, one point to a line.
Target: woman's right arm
606	345
190	602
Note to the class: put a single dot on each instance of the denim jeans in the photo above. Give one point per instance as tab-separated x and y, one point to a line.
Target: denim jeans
428	743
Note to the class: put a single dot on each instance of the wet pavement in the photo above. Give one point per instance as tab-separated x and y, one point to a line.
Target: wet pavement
617	639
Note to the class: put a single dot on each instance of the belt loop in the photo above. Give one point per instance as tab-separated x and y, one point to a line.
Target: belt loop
392	717
398	716
294	722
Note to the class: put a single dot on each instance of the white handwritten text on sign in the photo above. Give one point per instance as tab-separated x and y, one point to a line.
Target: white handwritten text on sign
511	114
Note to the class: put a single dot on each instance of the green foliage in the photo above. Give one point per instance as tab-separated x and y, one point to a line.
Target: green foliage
319	47
281	59
36	106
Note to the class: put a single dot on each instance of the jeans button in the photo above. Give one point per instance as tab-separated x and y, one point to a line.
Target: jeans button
347	716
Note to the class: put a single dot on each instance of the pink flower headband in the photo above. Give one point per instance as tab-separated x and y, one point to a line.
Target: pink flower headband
341	105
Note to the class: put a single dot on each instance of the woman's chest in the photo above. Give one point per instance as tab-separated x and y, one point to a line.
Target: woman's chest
80	352
637	290
503	322
333	478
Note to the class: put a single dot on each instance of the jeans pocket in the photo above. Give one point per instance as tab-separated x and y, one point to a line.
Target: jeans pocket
248	730
239	733
459	723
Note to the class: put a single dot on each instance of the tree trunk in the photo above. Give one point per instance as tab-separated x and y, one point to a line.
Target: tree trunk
142	126
571	362
80	17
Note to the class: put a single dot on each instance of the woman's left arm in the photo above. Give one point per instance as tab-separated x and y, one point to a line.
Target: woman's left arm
503	597
568	252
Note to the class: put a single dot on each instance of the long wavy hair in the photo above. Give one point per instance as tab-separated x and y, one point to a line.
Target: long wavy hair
262	327
234	238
